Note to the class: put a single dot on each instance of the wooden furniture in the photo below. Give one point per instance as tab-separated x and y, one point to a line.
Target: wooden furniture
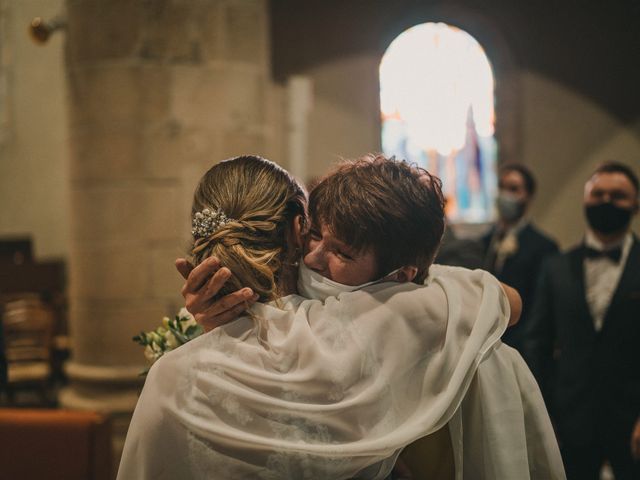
40	287
54	444
28	339
16	251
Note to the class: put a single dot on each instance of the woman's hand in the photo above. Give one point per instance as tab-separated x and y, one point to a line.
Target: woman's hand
515	302
202	283
635	441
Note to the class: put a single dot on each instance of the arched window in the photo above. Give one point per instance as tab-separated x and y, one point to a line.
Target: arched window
437	105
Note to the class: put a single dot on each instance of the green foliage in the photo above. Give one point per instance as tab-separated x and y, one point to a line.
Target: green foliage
169	335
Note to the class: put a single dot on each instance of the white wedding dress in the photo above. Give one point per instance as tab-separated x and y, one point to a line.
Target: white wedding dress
334	390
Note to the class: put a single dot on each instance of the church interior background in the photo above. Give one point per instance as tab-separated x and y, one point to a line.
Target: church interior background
107	125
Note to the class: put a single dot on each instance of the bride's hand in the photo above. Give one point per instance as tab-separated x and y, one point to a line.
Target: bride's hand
202	283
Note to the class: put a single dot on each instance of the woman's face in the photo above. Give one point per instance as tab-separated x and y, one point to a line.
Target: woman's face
335	260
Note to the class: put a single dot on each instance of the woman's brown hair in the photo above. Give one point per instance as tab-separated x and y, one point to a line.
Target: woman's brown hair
388	205
261	201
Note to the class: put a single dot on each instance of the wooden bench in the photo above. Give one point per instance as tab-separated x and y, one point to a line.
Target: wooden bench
52	444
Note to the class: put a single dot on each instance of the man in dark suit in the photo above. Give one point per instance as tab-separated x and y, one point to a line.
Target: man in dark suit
514	249
584	334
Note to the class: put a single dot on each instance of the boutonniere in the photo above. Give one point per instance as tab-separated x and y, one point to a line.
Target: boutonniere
508	246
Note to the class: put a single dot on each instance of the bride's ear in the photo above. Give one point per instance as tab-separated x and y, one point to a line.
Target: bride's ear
406	274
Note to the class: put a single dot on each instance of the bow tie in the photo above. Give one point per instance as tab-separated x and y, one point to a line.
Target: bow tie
614	254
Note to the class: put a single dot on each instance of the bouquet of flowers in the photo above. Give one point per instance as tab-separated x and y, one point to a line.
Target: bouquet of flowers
169	335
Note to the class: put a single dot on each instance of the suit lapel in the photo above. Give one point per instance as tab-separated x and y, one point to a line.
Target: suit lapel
523	238
627	279
489	260
576	265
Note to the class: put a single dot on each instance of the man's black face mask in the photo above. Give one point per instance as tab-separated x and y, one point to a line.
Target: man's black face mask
607	217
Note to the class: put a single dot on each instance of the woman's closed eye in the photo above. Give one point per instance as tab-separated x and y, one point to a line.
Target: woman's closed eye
344	255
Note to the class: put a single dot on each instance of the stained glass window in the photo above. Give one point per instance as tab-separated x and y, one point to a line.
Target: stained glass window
437	106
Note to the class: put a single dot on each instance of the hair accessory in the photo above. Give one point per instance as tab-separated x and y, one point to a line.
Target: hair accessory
207	221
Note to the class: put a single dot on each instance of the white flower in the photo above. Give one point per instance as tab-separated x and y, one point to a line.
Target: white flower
155	337
150	354
170	340
169	335
508	246
186	318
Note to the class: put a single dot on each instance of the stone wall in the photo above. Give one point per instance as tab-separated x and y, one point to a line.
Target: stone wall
158	92
33	131
5	68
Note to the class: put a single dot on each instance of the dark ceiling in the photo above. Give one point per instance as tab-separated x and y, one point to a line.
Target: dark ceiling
591	46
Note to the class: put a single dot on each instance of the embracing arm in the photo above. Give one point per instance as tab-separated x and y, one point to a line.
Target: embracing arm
203	282
515	303
201	285
512	295
635	441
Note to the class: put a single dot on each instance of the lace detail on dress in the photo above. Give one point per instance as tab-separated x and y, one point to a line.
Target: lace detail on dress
280	464
229	402
205	461
286	464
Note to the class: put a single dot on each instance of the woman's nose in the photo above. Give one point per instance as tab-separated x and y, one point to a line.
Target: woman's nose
314	258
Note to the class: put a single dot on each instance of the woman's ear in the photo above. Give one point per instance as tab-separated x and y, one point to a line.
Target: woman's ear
298	230
406	274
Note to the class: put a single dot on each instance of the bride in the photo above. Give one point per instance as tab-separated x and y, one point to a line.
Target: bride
335	389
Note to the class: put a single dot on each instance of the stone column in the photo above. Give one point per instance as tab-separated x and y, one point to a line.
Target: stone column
5	66
158	91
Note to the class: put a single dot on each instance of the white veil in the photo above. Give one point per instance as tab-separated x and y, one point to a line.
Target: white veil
335	390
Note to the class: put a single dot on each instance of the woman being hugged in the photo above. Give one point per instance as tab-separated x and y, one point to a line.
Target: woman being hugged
248	212
320	389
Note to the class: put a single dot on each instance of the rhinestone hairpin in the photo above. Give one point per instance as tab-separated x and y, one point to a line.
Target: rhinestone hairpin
207	221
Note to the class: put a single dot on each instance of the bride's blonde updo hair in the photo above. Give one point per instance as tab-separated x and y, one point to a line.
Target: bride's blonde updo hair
260	200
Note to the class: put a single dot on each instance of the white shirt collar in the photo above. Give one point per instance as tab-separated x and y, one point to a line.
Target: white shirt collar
516	228
590	240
